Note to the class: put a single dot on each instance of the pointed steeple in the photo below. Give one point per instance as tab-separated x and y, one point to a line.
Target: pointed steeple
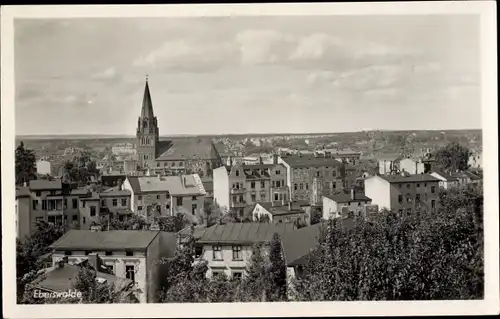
147	105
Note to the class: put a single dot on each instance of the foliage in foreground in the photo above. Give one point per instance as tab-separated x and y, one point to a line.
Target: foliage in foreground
393	257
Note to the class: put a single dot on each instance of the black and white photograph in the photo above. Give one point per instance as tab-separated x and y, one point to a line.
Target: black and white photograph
259	159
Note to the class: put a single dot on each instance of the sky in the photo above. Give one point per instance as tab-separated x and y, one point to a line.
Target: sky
238	75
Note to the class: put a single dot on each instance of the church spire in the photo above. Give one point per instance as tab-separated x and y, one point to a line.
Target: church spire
147	105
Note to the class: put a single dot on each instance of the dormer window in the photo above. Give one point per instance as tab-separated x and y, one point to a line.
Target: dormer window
237	173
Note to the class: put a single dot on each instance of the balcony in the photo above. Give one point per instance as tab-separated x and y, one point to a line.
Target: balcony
238	190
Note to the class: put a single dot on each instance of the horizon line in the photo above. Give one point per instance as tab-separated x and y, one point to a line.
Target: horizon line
242	134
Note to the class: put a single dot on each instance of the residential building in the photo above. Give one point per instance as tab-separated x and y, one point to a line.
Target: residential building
476	160
302	169
129	254
411	166
446	181
208	184
406	194
244	185
354	202
389	165
124	149
43	167
228	247
166	195
182	156
50	201
60	278
282	212
466	178
344	156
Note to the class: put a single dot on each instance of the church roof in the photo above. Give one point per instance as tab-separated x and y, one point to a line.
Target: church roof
147	104
187	150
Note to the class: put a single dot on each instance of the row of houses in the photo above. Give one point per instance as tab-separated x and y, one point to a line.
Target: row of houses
53	201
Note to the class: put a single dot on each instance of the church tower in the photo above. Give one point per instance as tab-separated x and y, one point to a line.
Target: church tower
147	132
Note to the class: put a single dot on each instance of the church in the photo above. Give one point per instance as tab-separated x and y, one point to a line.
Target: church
186	155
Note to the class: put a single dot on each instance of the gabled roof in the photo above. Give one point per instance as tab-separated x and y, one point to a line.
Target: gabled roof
299	243
284	209
176	185
60	279
472	175
409	179
243	233
44	184
187	150
310	161
445	176
105	240
346	198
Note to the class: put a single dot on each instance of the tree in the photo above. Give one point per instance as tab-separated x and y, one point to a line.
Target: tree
211	214
398	257
277	271
453	157
80	169
29	252
93	291
256	279
25	164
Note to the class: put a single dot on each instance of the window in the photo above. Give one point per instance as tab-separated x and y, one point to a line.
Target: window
359	203
276	196
433	189
334	173
263	197
217	251
157	164
75	218
129	253
35	204
92	211
408	198
237	275
252	185
317	174
193	208
307	186
124	202
179	201
418	185
167	206
433	203
254	198
75	203
262	184
103	203
110	268
216	274
417	197
115	202
407	185
83	204
65	203
273	184
301	186
109	253
157	196
139	207
194	198
295	186
334	185
158	208
400	198
130	272
83	220
198	251
237	173
400	185
38	194
241	199
173	164
425	196
68	253
139	197
278	172
408	211
237	253
180	164
425	184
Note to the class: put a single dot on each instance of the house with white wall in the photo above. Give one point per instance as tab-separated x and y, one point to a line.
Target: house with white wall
354	202
446	181
228	247
127	254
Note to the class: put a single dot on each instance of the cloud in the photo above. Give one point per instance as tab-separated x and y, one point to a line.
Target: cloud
316	46
262	46
186	55
108	74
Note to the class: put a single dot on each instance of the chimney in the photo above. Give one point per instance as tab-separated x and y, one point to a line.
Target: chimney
275	159
353	193
93	261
